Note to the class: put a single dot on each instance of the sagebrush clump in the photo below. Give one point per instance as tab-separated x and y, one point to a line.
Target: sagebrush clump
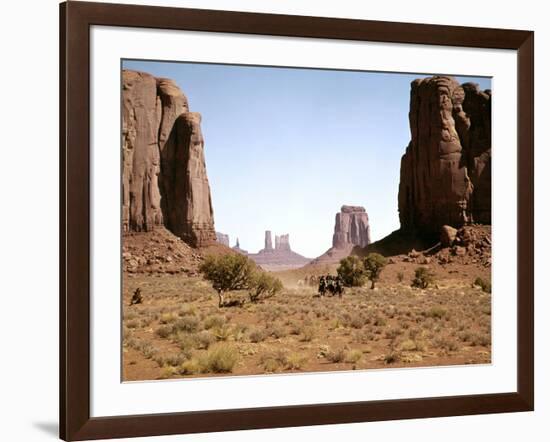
220	358
483	284
423	277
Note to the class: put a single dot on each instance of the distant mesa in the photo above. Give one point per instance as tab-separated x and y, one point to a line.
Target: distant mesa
351	229
279	258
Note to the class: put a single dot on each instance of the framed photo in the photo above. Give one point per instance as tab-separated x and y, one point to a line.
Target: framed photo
272	221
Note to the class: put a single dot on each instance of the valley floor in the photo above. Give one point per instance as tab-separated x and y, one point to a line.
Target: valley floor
179	331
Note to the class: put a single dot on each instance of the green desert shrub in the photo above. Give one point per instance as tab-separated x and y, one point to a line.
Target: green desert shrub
423	277
264	286
374	263
352	271
228	273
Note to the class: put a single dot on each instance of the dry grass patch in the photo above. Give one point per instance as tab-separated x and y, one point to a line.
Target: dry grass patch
336	356
353	356
258	335
180	326
221	358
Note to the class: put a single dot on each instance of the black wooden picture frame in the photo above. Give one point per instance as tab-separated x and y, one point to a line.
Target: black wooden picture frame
76	18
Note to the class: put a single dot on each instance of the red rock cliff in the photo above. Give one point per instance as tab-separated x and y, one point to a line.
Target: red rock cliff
446	169
164	180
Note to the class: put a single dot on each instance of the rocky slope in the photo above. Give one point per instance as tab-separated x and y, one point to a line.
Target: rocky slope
469	245
164	180
446	169
159	251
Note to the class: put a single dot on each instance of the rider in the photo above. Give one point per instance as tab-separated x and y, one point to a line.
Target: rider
322	286
339	285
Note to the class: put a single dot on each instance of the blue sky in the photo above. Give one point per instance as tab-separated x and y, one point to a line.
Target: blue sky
286	148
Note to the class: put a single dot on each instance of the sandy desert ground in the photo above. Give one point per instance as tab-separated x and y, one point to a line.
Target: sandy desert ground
179	330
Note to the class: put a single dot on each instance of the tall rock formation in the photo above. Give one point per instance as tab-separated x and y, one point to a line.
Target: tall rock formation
446	169
351	228
268	245
282	242
141	116
164	180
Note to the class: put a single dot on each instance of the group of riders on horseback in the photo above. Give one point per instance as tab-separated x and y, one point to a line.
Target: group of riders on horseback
330	284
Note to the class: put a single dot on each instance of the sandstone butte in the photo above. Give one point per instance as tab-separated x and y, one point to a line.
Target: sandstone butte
164	180
351	229
446	169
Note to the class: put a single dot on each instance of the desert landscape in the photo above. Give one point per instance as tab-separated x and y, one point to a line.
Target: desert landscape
195	304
